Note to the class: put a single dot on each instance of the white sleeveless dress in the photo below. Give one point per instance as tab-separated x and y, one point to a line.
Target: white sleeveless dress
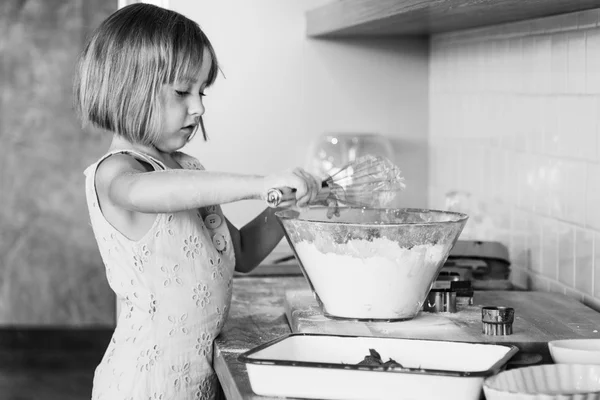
174	286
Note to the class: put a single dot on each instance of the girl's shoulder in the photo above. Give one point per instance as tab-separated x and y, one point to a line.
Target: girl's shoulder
124	161
115	162
187	161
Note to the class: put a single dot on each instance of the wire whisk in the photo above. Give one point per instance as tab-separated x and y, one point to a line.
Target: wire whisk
369	181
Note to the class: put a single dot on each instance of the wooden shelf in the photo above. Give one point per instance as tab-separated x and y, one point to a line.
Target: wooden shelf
344	18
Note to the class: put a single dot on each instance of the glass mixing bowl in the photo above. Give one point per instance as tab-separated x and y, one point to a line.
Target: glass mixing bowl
371	264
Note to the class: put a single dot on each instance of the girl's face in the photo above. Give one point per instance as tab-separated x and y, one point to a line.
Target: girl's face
182	102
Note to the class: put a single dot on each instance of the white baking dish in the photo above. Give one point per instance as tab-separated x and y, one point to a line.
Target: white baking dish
323	367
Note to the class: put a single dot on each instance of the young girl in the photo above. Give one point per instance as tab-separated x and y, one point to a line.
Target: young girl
168	250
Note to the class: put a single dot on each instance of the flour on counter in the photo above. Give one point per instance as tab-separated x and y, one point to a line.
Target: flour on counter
375	279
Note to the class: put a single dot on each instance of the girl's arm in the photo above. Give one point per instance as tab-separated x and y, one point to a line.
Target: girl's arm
255	240
131	187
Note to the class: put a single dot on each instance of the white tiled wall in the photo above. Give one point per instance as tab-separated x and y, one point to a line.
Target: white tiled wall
514	121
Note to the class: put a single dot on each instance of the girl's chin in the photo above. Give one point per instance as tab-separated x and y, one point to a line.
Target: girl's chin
186	134
172	145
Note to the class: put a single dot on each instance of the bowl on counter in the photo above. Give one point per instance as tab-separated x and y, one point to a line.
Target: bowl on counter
545	382
371	264
575	351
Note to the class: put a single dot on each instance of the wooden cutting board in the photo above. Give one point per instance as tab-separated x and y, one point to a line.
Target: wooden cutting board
539	318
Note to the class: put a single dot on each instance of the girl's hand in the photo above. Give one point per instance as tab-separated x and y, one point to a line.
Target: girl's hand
299	187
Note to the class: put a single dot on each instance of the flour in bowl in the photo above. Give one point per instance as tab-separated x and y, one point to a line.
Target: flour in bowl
371	279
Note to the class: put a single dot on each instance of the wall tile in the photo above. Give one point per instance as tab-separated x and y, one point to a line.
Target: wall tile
559	62
535	243
576	62
566	190
526	180
592	208
595	278
597	130
495	170
592	61
566	254
536	126
511	193
520	238
514	63
526	96
584	260
542	64
573	134
585	129
528	71
550	234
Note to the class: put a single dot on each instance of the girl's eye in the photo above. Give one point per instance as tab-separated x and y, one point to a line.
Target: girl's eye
181	93
202	94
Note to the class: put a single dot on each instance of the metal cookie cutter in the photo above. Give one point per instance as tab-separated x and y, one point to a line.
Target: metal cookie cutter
497	320
440	300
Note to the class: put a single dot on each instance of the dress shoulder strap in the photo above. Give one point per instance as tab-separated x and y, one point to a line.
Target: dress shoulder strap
156	164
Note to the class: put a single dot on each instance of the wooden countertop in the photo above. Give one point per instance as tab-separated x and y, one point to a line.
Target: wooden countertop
258	315
540	317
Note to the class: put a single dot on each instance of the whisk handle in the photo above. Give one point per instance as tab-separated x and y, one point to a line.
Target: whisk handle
276	196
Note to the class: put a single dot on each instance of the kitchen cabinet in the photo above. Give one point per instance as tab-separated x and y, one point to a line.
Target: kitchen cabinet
346	18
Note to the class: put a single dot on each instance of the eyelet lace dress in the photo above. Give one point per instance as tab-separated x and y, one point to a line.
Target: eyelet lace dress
174	286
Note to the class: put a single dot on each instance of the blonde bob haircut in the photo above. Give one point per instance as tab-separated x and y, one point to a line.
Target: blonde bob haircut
129	57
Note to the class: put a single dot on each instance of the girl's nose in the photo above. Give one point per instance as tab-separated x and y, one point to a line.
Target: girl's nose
196	108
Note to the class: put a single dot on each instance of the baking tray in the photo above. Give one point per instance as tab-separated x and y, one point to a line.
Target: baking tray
317	366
